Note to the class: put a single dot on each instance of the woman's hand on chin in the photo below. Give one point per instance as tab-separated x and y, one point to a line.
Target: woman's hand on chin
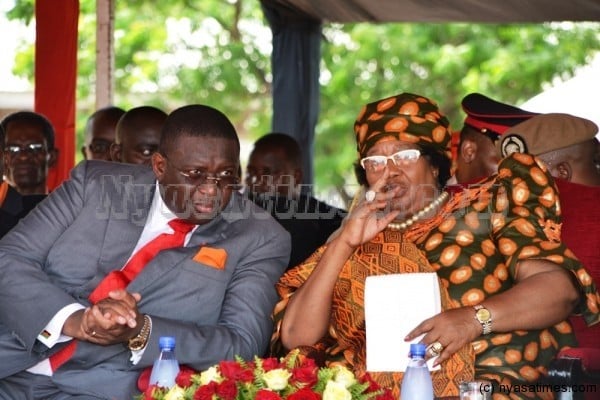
371	215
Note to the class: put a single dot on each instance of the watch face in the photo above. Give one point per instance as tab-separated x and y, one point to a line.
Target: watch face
136	344
483	314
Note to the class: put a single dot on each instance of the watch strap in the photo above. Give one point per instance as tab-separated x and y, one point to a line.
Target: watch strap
139	341
486	324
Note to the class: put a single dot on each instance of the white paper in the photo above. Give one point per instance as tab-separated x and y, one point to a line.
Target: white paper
394	305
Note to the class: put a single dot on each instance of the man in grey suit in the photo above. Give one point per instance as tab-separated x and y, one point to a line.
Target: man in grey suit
214	294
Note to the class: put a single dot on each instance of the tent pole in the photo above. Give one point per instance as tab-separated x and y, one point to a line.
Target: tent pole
105	17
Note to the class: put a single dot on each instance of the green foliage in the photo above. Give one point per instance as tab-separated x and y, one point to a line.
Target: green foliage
23	10
168	54
357	392
324	375
365	62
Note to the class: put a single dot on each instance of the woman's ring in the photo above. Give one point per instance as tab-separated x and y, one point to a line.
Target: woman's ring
93	333
434	349
370	195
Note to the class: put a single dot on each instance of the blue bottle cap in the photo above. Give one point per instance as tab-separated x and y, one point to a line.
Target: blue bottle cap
417	349
166	342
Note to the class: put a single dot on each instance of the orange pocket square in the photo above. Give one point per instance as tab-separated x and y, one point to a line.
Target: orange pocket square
212	257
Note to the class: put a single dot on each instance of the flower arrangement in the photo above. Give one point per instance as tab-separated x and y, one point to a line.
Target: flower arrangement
291	378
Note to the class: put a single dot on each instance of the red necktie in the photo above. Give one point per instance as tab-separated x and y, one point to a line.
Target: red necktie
121	278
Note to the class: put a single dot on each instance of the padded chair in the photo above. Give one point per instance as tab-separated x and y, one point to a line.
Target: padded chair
581	233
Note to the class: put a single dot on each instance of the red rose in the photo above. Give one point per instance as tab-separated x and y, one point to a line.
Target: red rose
230	369
206	392
184	378
304	394
246	376
264	394
305	376
144	379
227	390
270	364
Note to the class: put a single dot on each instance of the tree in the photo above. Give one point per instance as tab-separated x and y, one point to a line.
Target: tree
445	62
191	51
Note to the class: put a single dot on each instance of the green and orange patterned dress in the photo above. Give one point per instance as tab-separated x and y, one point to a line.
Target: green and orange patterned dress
474	244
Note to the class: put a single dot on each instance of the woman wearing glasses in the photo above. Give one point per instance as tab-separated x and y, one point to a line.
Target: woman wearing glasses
507	282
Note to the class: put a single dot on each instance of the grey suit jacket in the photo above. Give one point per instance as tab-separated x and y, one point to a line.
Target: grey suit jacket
89	227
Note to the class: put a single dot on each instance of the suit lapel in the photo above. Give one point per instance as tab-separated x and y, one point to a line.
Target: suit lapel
130	203
207	234
159	266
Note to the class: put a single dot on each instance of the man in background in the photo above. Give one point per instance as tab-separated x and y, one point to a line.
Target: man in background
486	121
568	146
100	133
138	135
28	151
274	180
13	206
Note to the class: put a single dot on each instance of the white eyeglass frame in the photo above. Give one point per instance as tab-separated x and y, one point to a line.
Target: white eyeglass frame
407	156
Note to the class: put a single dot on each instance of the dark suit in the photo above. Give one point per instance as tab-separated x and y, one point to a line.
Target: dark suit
309	221
90	226
15	207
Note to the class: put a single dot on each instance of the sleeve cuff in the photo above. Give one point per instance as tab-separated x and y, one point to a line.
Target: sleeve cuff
52	333
136	355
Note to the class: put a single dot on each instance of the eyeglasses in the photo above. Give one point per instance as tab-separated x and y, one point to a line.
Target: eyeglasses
99	146
197	177
378	163
33	149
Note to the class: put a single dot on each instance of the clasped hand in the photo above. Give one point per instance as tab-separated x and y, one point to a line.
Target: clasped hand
114	319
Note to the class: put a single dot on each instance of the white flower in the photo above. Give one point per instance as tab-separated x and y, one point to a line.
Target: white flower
210	375
277	379
336	391
344	376
175	393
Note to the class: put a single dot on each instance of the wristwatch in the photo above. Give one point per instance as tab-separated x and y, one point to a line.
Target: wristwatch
484	317
138	342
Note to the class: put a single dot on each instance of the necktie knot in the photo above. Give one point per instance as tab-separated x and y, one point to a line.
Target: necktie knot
180	225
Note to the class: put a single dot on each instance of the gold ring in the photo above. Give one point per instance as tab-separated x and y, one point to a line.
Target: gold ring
434	349
370	195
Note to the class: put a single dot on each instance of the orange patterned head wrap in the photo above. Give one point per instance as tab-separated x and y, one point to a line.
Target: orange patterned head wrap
408	117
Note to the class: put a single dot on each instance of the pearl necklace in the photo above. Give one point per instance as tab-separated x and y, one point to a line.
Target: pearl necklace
431	206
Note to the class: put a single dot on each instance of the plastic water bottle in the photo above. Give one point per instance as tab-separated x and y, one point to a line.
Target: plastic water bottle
416	383
166	367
